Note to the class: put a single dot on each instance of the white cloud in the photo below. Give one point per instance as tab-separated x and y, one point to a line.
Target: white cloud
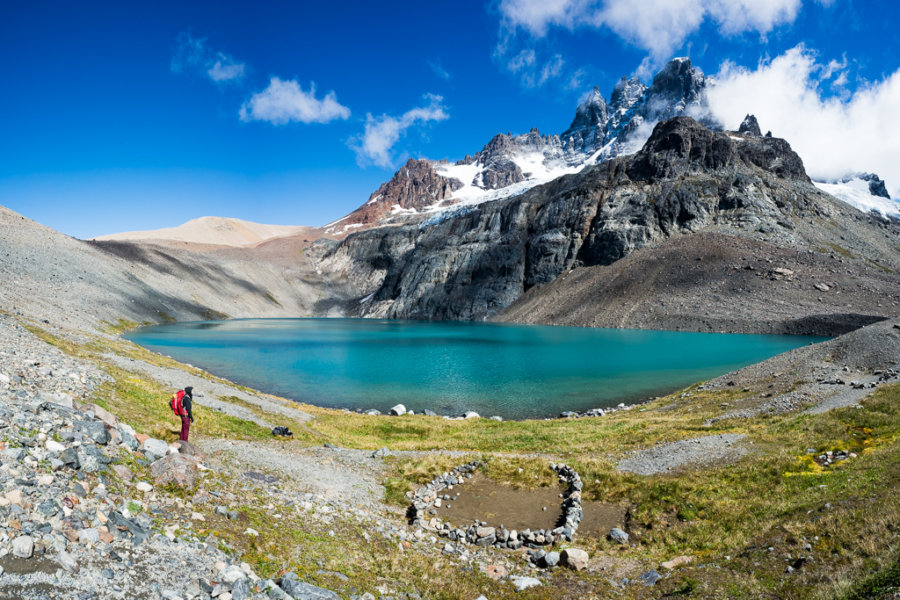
225	69
376	144
438	69
833	134
658	26
536	15
193	54
285	101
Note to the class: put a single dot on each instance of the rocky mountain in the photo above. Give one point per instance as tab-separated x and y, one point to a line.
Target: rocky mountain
510	164
474	261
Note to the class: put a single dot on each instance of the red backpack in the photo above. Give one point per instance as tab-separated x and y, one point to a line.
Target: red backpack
175	404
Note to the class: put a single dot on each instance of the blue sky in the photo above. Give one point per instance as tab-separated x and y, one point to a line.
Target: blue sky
118	116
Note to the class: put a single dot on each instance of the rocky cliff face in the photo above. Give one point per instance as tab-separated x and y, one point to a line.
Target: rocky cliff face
475	262
414	187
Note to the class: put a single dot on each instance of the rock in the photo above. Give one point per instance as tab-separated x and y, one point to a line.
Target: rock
188	449
54	446
495	572
300	590
618	536
104	415
123	472
233	573
429	413
15	496
676	562
89	536
241	590
96	430
372	412
650	578
67	561
551	559
129	440
143	486
471	414
155	447
23	546
177	469
750	126
398	410
523	583
69	458
574	558
381	453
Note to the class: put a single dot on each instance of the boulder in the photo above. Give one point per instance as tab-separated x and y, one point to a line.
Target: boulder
233	573
398	410
188	449
178	469
23	546
96	430
618	536
89	536
54	446
471	414
300	590
523	583
104	415
129	440
551	559
155	447
574	558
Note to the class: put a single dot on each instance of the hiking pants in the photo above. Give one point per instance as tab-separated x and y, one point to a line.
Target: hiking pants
185	428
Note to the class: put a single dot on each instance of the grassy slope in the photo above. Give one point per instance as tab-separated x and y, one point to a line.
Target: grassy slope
743	523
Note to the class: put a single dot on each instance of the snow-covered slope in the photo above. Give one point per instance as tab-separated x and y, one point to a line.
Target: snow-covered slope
857	193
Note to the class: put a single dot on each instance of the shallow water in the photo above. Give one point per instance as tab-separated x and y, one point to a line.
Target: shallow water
515	371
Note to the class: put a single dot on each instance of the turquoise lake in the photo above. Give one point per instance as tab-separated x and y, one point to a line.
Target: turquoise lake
513	371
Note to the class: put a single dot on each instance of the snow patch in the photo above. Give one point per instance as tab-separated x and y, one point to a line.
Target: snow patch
856	193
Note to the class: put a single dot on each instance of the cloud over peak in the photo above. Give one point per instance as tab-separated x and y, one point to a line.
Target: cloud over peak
805	102
376	144
285	101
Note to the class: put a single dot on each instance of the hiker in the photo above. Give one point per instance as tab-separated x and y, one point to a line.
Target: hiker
181	405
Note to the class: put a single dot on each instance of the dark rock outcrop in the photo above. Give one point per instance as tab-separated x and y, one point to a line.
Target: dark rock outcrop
750	126
876	185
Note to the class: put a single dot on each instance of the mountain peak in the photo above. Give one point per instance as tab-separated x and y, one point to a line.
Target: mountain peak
750	126
591	111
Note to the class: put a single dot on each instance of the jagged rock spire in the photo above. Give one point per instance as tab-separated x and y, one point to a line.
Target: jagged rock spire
591	112
750	126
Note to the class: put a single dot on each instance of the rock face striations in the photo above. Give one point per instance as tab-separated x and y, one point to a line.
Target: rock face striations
475	262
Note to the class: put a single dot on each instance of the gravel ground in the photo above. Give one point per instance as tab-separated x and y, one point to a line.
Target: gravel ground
676	455
209	393
333	473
